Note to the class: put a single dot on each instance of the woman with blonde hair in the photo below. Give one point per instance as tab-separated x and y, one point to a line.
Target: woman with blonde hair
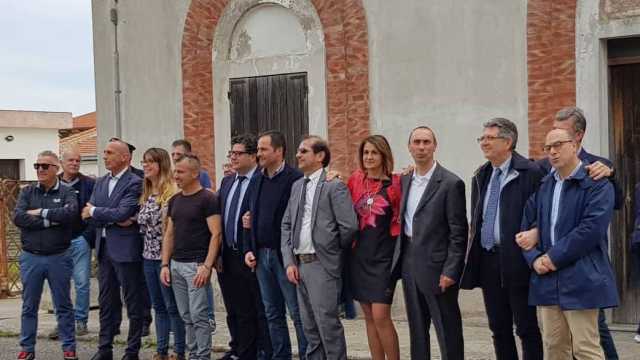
158	188
376	196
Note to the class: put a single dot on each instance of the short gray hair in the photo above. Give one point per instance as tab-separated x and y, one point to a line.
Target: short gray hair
507	129
49	153
579	120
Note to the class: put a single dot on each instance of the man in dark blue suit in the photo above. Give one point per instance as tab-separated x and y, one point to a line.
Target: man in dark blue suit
118	248
240	292
573	120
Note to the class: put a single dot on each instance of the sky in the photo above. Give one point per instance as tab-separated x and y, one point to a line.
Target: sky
46	56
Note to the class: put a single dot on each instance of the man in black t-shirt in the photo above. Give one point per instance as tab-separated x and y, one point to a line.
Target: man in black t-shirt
190	246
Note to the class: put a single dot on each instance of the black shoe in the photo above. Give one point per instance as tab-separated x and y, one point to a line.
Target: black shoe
116	332
103	355
229	355
130	357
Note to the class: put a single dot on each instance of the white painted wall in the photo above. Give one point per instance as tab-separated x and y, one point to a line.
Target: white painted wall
451	65
150	40
26	145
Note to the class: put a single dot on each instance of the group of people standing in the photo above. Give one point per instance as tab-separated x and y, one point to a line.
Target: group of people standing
278	237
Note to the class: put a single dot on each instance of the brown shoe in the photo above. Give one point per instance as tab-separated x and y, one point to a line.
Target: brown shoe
160	357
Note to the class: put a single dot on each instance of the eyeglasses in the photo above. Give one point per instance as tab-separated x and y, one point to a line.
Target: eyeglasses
555	146
236	153
488	138
42	166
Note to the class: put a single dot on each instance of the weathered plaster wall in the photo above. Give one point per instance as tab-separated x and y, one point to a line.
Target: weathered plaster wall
149	44
258	37
451	65
451	75
597	21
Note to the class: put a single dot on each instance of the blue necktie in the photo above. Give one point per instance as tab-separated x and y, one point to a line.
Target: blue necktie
231	223
487	238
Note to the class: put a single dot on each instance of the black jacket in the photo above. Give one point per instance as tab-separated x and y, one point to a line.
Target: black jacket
83	189
513	198
51	235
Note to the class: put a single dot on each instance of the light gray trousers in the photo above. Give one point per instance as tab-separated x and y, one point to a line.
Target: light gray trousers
193	308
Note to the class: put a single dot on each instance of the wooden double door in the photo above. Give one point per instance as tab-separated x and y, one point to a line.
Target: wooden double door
274	102
625	139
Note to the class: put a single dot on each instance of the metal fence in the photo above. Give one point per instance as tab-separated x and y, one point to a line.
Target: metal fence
10	247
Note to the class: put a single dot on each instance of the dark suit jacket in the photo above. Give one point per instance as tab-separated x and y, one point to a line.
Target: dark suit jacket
440	230
513	198
248	201
588	158
124	244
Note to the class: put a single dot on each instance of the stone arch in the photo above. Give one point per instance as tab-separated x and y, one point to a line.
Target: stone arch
347	76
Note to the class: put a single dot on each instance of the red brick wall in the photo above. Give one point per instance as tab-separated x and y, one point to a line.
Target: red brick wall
550	63
347	61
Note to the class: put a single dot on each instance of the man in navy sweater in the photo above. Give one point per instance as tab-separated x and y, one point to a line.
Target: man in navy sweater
262	247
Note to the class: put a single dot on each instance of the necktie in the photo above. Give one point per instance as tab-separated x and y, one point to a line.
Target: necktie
232	223
300	214
487	238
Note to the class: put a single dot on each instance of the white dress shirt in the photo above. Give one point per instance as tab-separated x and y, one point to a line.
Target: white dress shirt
418	186
113	181
306	244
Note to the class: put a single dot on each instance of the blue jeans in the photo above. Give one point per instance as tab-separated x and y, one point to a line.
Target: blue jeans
166	311
606	340
276	291
81	256
34	269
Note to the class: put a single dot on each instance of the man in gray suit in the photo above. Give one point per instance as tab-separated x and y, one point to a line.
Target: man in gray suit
318	226
429	254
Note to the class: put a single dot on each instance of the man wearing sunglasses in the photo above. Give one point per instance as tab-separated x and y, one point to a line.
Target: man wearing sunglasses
45	213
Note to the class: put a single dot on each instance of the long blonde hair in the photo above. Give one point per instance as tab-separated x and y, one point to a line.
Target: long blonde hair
166	186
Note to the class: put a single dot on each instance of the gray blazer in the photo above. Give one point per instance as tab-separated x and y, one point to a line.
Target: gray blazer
333	223
440	230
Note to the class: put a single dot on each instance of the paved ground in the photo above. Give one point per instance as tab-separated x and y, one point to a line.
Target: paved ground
477	337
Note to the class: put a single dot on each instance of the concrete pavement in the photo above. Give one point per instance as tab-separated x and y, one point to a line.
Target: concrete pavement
477	336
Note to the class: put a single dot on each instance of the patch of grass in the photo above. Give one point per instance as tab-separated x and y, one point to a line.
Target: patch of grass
6	334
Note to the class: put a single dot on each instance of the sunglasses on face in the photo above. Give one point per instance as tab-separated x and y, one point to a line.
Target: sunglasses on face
37	166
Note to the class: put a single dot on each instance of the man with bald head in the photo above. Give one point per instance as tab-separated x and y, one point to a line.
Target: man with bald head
83	236
572	277
118	249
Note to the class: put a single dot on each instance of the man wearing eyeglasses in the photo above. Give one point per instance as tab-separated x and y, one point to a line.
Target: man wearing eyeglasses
239	285
45	213
499	193
573	120
572	277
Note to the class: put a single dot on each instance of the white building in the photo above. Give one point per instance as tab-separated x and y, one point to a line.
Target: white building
23	134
